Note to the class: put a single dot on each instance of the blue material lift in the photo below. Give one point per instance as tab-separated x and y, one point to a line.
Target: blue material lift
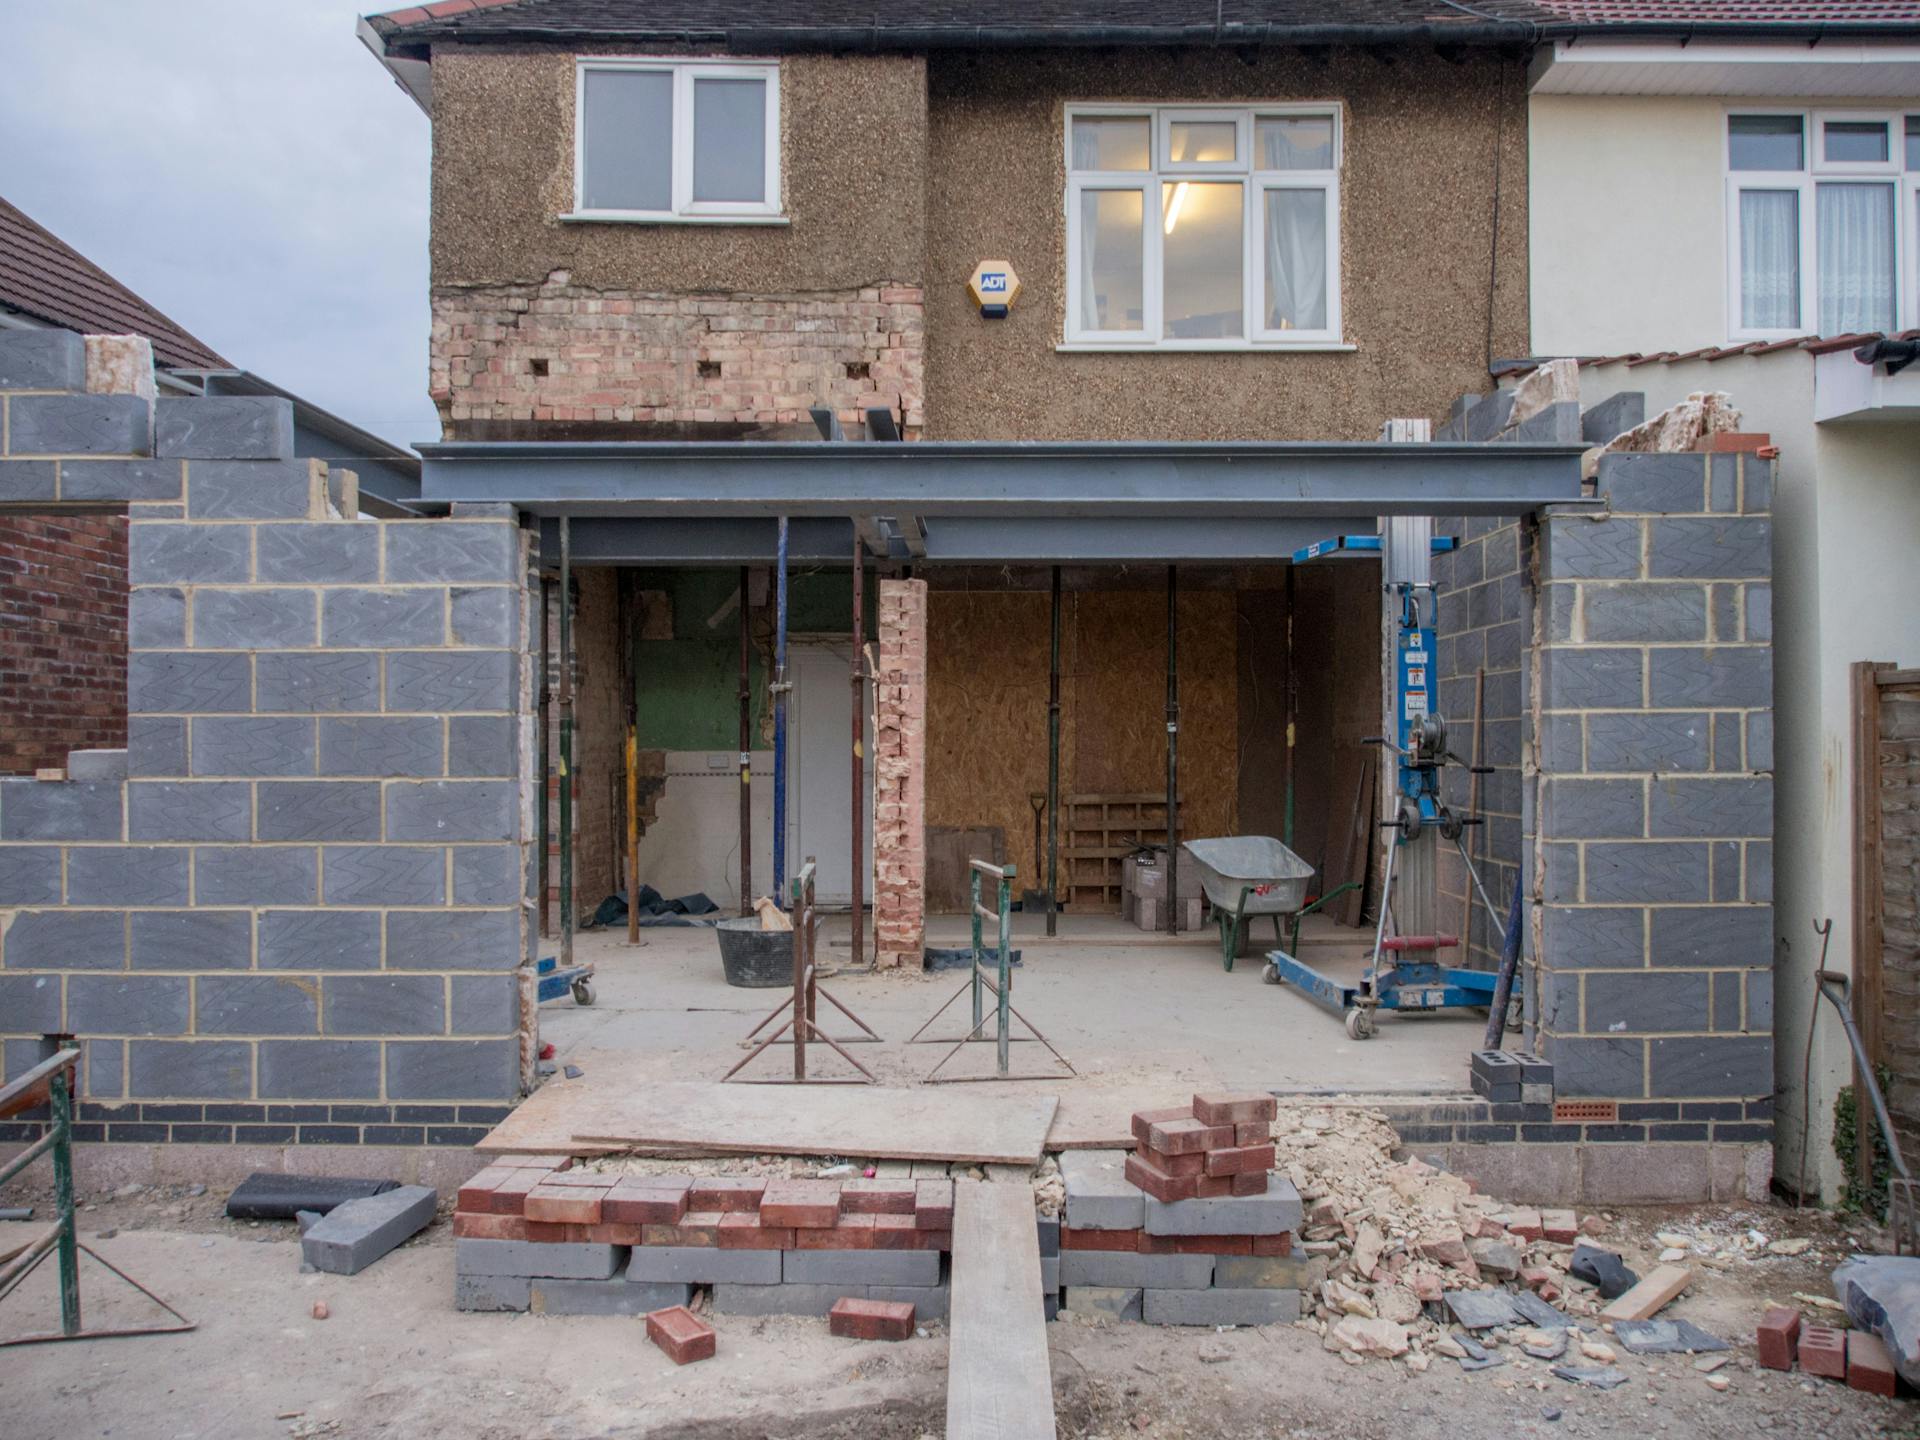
556	980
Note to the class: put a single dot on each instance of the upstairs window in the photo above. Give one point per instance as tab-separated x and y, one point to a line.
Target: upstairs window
1202	227
659	140
1823	220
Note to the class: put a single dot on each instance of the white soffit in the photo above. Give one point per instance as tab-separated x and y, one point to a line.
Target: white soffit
1795	69
1844	389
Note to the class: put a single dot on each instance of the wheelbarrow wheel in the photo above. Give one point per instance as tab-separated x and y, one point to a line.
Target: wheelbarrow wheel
582	992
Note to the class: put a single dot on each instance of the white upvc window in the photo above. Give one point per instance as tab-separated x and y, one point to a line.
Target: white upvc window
1823	222
674	140
1203	227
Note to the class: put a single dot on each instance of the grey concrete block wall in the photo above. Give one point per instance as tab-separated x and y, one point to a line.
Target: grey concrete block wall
1654	824
309	887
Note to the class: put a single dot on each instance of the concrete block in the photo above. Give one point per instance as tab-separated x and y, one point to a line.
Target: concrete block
1694	1067
127	875
1574	547
320	940
1099	1196
66	940
552	1260
706	1265
385	619
119	481
1221	1307
178	553
344	553
1606	1068
1759	872
485	875
1759	1001
1726	676
452	810
253	619
1118	1269
1729	547
857	1267
179	682
1702	807
1759	612
1583	679
1756	484
1648	872
1640	612
1588	936
1488	417
1273	1213
1049	1273
224	427
1558	424
1613	416
157	744
485	1004
253	745
352	1235
106	1072
1728	1002
617	1296
320	1069
1724	857
384	875
58	810
1049	1236
108	766
129	1004
31	1003
454	939
437	681
191	939
1120	1303
317	684
1660	742
482	745
187	810
385	1005
255	1005
319	810
190	1069
256	875
431	551
772	1299
930	1302
485	616
1269	1272
492	1294
42	360
1649	1001
79	425
1579	809
29	874
1654	484
382	746
28	481
453	1070
251	490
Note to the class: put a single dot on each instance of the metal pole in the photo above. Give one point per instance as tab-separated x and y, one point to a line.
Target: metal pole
633	765
780	717
1006	963
974	903
746	753
858	678
546	759
566	741
800	956
1173	750
1292	703
61	1094
1053	765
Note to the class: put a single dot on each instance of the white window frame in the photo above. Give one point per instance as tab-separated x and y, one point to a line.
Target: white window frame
685	209
1254	182
1805	183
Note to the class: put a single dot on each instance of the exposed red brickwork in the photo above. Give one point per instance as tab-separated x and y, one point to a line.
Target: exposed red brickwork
569	353
63	637
899	779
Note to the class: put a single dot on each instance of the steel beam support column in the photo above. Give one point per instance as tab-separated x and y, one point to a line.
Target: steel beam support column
1053	762
780	715
858	680
566	742
746	748
1173	750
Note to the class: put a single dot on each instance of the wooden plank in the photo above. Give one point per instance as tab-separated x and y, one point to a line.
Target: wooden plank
1651	1295
999	1375
1868	989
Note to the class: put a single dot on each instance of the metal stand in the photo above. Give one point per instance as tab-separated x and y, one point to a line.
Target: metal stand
52	1082
802	1007
980	984
1903	1214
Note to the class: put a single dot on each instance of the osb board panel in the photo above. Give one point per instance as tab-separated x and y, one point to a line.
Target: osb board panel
1337	652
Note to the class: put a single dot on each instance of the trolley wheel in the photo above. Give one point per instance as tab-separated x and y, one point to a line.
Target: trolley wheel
1360	1024
1271	975
582	992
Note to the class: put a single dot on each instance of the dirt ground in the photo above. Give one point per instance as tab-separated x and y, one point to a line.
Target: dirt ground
394	1359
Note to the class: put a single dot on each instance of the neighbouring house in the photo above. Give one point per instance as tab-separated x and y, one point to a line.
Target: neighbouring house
63	577
1743	216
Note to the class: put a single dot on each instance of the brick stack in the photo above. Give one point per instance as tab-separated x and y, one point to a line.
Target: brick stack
530	1236
899	776
1219	1145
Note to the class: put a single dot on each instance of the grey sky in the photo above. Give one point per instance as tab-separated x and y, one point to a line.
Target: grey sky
247	167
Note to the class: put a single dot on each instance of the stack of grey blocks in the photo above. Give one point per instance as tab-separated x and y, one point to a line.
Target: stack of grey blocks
1174	1289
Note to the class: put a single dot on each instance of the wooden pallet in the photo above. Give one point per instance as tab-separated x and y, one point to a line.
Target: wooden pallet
1097	833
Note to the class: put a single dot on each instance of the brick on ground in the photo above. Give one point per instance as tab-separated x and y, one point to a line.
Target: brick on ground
684	1337
1823	1351
1120	1302
353	1235
1778	1333
854	1318
1869	1366
1220	1307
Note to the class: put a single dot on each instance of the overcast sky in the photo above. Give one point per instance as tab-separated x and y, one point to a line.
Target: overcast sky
247	167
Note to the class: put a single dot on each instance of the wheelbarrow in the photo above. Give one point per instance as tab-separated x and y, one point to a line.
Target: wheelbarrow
1248	875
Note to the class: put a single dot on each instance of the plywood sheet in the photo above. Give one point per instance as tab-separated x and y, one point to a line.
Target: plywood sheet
999	1374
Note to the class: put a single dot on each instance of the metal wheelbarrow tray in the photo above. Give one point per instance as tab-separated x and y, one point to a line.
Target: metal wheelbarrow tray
1233	871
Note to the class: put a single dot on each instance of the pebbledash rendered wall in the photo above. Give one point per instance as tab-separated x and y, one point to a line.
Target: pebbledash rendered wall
291	911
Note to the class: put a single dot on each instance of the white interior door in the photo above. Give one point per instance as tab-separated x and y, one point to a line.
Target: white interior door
819	798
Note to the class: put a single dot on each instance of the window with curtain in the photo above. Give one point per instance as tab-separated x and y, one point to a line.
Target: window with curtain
1203	227
663	140
1817	227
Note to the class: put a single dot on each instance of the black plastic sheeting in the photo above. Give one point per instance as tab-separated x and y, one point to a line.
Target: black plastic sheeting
655	909
266	1196
963	957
